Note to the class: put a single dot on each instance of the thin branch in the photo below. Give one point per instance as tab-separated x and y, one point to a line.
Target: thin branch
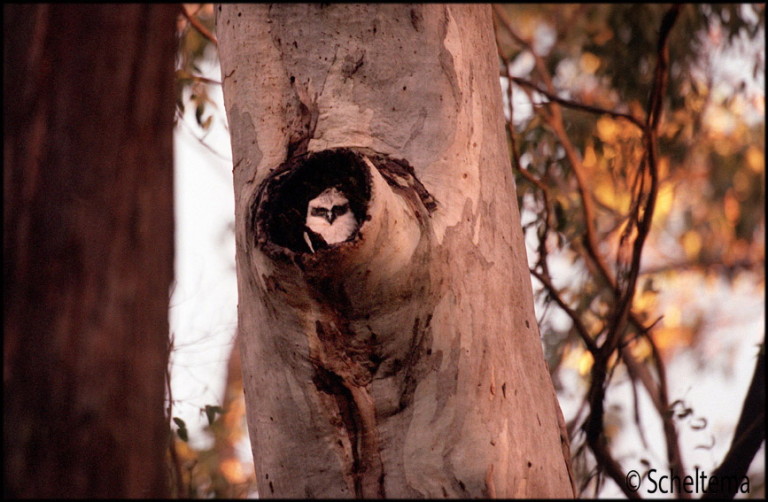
599	448
541	67
641	216
661	75
621	314
544	233
577	323
636	413
556	122
201	140
674	455
639	372
578	106
501	16
175	461
204	80
199	26
749	435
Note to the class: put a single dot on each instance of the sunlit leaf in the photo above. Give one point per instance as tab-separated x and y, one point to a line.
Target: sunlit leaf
691	242
646	300
664	201
232	469
590	159
731	207
606	129
589	63
755	159
585	363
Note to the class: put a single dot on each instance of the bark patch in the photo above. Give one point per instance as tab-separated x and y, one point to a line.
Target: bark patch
339	374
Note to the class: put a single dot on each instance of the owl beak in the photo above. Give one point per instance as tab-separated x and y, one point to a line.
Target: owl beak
330	217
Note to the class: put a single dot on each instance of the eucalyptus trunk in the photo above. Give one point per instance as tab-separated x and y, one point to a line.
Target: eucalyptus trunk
407	361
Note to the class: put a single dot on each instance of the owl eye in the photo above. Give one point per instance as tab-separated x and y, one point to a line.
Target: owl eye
319	211
341	209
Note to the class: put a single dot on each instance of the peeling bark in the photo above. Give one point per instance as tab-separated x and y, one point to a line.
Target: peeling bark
405	362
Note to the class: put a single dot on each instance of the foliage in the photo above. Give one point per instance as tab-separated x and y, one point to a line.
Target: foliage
642	167
206	466
215	470
195	40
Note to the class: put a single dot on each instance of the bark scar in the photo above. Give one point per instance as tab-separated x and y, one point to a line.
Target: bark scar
309	113
369	472
490	487
356	406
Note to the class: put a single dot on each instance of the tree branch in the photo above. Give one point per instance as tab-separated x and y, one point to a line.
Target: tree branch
621	315
578	106
749	435
580	328
623	287
199	26
176	470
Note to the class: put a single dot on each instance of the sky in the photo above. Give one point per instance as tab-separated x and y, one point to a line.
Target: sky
203	313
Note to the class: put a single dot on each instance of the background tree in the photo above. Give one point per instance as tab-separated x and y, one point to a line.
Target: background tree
88	248
406	363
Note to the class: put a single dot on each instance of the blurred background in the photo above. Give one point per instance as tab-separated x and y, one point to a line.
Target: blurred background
701	285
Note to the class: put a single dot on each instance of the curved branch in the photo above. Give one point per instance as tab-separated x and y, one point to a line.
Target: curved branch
749	435
205	32
578	106
580	328
556	122
640	217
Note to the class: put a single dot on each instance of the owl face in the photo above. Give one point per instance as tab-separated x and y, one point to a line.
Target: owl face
330	217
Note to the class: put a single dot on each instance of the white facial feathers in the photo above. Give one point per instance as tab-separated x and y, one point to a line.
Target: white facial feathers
330	216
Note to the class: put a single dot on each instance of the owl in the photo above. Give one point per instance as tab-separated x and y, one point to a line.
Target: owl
330	220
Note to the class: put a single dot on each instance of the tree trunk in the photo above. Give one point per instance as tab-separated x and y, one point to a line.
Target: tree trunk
88	248
405	362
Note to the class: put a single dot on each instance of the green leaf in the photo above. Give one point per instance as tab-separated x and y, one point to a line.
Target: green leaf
210	412
199	110
182	430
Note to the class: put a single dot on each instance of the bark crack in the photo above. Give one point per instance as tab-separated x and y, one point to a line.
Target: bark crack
341	373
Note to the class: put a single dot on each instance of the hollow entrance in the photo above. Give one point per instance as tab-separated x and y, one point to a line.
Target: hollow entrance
280	209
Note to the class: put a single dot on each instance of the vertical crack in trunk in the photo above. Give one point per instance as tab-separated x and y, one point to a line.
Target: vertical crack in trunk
339	372
368	469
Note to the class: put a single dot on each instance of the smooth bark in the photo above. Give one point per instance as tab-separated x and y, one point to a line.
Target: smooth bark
406	363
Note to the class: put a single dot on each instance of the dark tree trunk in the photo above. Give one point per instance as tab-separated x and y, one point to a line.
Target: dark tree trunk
88	247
